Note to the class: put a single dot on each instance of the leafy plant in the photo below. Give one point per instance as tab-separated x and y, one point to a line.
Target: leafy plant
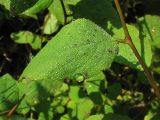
82	64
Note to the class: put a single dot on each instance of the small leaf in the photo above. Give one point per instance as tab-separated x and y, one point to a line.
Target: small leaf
9	92
60	109
108	109
62	90
149	26
26	37
72	2
65	117
84	108
50	25
152	115
74	93
36	91
93	84
56	9
95	117
23	108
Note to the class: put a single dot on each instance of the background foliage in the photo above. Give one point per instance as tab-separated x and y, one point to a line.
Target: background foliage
78	71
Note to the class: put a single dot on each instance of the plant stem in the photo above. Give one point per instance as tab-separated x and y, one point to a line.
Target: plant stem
122	19
11	111
128	40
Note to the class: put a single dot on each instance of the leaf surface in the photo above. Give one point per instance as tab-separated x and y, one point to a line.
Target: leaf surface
9	92
27	37
149	26
95	117
79	48
56	9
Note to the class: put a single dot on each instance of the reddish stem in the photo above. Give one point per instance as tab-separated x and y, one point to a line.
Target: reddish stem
128	40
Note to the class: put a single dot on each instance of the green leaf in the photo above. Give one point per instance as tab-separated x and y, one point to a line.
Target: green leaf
27	37
62	90
37	7
72	2
84	108
36	91
80	39
72	106
126	55
56	9
61	10
26	7
80	110
152	115
149	26
65	117
50	25
156	61
108	109
9	92
61	97
60	109
95	117
93	84
74	93
79	48
23	108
